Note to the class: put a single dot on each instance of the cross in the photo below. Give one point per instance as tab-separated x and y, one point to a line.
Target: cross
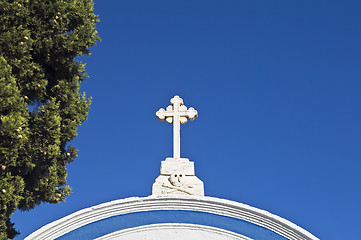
176	113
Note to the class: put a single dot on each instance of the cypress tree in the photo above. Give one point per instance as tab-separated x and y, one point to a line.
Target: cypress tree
40	103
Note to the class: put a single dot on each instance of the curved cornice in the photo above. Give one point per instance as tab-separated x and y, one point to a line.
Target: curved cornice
213	205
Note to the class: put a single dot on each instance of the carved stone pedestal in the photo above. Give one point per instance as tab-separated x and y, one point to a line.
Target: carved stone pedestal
177	177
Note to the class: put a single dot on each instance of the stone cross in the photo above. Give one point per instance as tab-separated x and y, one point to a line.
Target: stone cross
176	113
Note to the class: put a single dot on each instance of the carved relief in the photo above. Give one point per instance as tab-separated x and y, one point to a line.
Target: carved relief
177	179
177	184
177	174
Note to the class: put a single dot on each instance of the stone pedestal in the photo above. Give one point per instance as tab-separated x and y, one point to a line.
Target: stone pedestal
177	177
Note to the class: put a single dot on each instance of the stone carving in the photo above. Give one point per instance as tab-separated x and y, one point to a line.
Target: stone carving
176	113
177	174
177	179
177	183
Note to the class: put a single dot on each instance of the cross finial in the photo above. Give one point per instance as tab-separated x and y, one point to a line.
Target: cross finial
176	113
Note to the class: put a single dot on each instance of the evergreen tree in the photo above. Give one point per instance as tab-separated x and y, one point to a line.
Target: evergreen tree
40	104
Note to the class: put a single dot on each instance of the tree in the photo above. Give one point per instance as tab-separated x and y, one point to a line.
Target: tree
40	104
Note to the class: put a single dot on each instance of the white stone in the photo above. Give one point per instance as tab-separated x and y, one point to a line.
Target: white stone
176	113
177	174
178	184
177	177
171	165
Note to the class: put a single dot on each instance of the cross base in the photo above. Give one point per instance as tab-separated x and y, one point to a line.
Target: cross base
171	165
177	177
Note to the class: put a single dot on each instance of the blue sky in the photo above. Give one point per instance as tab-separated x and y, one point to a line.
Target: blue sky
277	88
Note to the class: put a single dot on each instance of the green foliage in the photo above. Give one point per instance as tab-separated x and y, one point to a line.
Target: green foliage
40	104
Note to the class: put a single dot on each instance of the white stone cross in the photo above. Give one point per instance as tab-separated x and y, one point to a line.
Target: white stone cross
176	113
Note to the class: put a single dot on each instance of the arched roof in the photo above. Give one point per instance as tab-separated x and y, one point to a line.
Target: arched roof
134	217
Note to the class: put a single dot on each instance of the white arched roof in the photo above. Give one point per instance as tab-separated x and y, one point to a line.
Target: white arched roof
144	217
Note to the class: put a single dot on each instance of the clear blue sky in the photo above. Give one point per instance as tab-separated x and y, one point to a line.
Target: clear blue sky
277	87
